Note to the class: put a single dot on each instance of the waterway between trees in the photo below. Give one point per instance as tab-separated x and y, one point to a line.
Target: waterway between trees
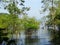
40	37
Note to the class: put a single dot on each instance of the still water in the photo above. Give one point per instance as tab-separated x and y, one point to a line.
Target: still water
41	37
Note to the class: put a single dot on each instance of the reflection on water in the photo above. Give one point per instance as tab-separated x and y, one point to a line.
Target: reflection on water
56	37
41	37
44	37
31	41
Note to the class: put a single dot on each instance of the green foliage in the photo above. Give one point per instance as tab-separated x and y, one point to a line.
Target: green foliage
11	21
54	8
13	24
13	9
4	19
30	23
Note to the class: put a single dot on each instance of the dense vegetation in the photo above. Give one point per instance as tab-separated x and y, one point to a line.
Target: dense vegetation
54	11
53	18
11	23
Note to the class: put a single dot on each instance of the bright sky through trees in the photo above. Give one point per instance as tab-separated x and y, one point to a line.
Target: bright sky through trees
35	7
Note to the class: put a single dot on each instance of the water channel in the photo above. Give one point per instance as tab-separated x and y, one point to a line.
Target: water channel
40	37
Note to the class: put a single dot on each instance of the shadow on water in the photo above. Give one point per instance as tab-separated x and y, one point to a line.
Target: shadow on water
31	38
9	42
31	41
41	37
55	37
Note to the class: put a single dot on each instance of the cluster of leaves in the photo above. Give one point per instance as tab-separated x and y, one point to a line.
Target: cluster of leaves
54	19
54	8
7	21
11	23
30	23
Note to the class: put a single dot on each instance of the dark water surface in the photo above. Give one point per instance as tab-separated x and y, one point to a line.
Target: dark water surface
41	37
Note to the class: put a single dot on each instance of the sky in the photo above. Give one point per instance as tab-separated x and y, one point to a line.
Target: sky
35	7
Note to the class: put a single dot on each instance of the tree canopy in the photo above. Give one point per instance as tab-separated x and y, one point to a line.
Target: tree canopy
11	22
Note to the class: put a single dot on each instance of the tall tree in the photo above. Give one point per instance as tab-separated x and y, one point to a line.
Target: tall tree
52	6
12	6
